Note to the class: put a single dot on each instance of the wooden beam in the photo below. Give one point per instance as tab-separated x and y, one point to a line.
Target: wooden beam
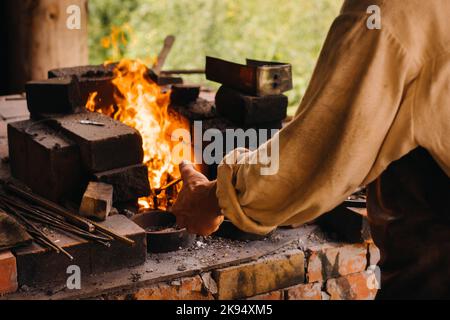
38	39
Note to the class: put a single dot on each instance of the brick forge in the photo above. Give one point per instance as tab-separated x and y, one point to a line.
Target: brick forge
311	270
307	270
289	275
295	264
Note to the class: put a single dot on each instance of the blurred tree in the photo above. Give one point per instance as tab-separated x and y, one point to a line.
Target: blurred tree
285	30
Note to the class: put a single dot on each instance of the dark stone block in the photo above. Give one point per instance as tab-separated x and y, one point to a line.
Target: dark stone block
17	146
58	95
103	147
199	109
248	110
237	138
89	71
347	224
91	78
120	255
129	183
183	94
37	266
104	89
45	160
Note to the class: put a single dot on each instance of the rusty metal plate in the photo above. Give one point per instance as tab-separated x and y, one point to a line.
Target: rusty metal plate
260	78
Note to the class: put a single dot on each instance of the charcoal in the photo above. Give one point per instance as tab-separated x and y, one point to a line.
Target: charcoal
247	110
53	96
45	160
104	143
129	183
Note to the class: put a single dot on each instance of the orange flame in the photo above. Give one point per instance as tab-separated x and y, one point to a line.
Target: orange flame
142	104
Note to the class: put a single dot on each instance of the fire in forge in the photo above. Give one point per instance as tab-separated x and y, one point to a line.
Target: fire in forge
185	150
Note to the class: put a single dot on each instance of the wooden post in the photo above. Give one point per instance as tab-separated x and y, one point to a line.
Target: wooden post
38	39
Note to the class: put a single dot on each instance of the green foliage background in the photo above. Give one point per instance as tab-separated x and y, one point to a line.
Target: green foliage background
285	30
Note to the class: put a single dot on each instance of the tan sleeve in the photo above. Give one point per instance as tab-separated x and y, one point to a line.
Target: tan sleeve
334	140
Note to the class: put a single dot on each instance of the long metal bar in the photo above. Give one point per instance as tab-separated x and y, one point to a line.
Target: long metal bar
81	222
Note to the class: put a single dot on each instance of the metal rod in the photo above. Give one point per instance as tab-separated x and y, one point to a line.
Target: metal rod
37	233
167	186
36	214
180	71
83	223
79	221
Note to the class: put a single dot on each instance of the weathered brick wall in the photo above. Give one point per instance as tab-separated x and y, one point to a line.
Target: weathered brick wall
328	271
8	272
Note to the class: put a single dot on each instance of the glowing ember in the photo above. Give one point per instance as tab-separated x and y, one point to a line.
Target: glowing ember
142	104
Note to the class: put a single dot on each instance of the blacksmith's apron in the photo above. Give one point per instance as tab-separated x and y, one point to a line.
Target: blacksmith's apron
409	214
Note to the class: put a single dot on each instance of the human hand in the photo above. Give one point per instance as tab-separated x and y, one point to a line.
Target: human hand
197	208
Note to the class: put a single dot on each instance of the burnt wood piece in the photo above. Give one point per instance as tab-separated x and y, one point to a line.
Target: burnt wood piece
58	95
46	161
129	183
183	94
249	110
97	201
39	266
103	147
257	78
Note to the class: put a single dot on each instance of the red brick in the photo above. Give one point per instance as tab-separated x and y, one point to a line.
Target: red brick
8	272
309	291
183	289
264	275
351	287
274	295
334	260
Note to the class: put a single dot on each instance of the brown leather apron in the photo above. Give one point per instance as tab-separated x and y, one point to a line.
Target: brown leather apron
409	215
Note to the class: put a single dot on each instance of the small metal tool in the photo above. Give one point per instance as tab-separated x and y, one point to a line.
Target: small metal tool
92	123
